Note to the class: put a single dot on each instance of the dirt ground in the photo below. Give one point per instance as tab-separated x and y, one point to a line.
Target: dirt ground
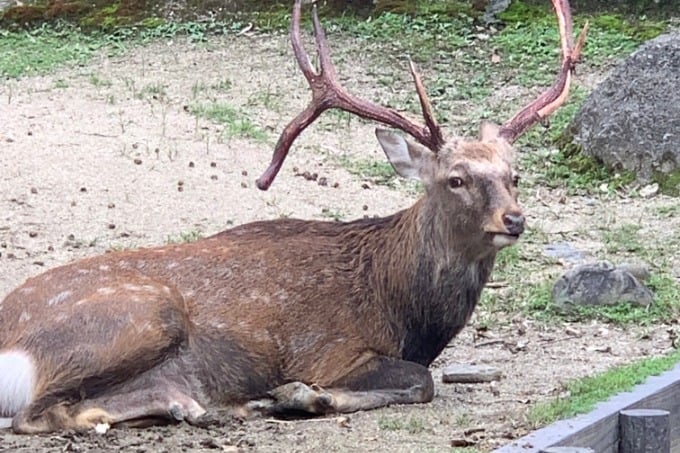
94	157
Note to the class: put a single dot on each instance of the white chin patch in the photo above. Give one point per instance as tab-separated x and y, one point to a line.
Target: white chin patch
503	240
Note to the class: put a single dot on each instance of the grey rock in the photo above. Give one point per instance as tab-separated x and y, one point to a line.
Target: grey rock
470	374
599	284
493	9
631	121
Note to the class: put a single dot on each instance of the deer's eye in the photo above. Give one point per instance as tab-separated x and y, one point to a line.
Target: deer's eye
455	182
515	180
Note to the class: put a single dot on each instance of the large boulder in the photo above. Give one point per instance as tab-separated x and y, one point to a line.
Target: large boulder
631	121
601	283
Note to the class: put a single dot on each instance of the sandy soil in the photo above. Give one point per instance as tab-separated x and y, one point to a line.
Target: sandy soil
94	157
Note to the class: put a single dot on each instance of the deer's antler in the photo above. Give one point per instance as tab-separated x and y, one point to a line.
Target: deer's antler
556	95
327	93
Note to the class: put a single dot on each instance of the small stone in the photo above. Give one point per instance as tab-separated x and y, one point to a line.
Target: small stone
192	165
649	191
111	205
244	173
213	164
34	190
102	428
33	234
470	374
83	189
137	161
244	184
112	226
213	177
323	181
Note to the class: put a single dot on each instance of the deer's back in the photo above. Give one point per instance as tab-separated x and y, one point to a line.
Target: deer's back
288	289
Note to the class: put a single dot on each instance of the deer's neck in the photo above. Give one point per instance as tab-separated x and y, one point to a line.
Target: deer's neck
429	278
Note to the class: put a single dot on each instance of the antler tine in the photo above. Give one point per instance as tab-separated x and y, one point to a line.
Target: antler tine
551	99
426	106
298	49
327	93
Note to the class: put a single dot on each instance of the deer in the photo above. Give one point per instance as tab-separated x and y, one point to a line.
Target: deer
284	316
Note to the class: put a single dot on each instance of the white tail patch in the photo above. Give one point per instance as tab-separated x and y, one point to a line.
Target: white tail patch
17	380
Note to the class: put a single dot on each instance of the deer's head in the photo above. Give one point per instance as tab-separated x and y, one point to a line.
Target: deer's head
470	184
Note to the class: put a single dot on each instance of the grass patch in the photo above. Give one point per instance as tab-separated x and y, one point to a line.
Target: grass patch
623	239
236	123
39	51
668	211
182	238
412	425
44	48
374	171
333	214
532	28
585	393
152	91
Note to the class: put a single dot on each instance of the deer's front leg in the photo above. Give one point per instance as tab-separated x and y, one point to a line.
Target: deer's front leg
382	381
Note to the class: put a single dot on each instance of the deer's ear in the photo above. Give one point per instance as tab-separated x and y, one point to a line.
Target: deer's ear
409	159
488	131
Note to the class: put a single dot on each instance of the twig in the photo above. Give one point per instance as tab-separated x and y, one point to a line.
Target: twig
309	420
497	284
489	343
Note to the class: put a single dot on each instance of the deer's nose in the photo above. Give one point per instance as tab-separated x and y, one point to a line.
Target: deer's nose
514	223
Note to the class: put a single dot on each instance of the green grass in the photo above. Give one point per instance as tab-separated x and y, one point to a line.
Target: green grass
585	393
44	48
374	171
38	51
154	90
181	238
622	239
412	424
334	214
532	28
98	82
668	211
236	123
